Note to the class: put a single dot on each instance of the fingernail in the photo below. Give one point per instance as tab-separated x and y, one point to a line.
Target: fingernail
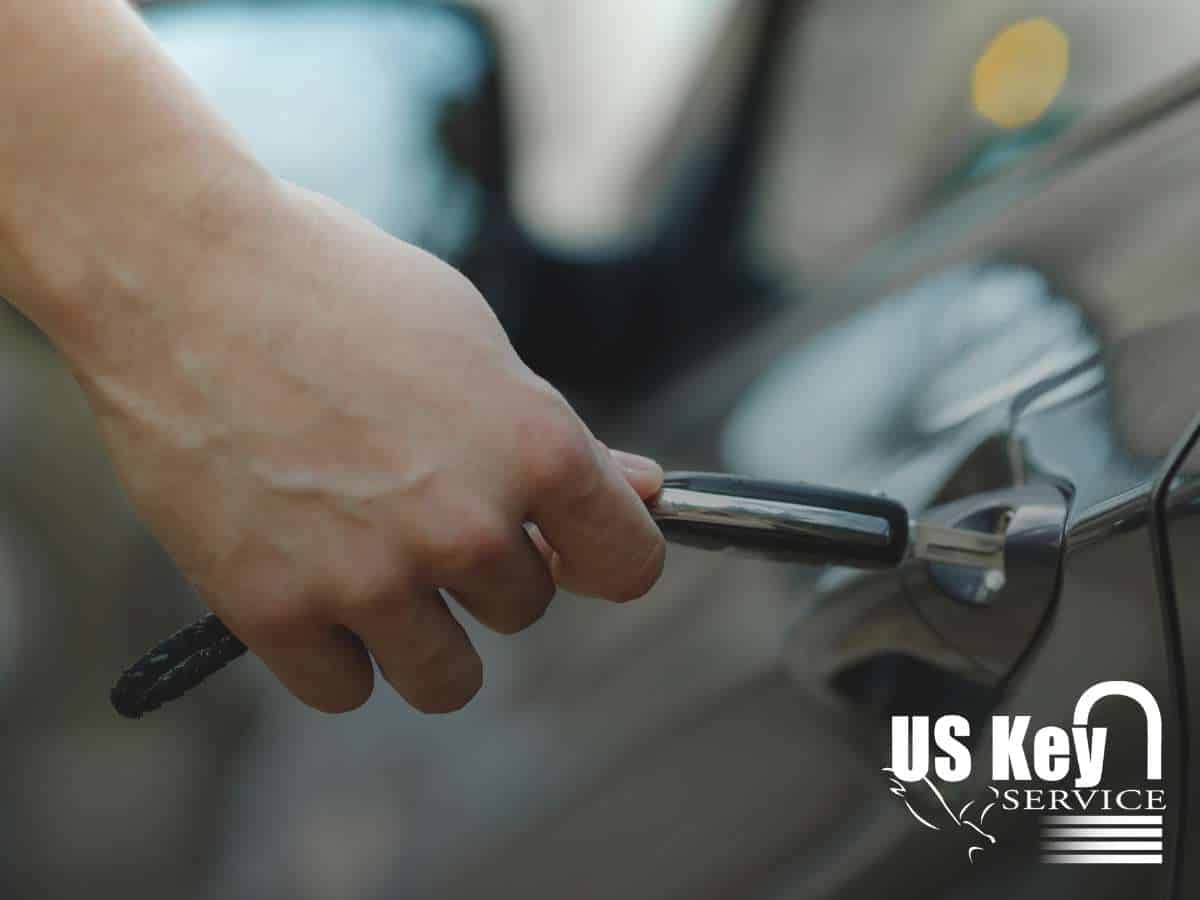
634	464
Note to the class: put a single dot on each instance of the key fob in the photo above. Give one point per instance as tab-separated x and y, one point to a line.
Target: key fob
789	521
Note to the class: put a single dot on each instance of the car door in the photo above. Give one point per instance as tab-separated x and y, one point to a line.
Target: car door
1103	223
1078	268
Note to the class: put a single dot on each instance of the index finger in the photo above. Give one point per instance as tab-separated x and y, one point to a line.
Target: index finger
605	542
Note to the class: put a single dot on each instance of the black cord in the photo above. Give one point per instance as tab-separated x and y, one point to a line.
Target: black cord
175	666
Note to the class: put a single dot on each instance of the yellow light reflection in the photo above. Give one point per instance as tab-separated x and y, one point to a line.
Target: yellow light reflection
1021	72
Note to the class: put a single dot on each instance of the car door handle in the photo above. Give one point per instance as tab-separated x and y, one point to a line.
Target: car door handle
946	618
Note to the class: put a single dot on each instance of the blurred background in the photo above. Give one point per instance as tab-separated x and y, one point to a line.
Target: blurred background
669	205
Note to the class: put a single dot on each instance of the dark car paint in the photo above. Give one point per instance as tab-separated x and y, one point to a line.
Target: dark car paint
1093	214
1106	214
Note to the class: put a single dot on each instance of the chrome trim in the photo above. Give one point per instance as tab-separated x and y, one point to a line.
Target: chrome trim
933	613
679	505
957	546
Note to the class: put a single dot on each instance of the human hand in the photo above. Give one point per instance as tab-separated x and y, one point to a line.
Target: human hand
325	426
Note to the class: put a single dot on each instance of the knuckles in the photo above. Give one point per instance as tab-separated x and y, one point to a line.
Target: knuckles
359	587
340	586
273	619
471	540
559	455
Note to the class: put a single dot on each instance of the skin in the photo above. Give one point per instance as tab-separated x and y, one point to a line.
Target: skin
326	427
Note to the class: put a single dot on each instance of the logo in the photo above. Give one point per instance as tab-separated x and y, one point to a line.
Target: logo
1055	771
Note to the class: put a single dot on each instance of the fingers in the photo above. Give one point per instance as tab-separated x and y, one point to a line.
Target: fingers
509	586
421	649
605	542
643	474
325	667
589	531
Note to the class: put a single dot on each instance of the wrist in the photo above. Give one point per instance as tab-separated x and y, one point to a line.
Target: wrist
119	178
95	270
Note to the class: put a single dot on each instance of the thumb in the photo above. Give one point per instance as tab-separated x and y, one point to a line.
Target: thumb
642	473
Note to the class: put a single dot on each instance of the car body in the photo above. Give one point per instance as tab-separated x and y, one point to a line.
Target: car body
1089	243
1022	344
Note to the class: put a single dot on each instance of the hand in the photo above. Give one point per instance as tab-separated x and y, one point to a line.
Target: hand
325	426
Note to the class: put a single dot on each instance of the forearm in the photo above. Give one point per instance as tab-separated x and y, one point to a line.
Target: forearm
113	171
324	426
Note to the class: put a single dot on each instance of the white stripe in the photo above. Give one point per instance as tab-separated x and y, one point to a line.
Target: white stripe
1156	846
1102	820
1102	832
1116	859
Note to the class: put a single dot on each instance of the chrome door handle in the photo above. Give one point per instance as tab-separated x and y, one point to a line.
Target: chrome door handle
959	620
